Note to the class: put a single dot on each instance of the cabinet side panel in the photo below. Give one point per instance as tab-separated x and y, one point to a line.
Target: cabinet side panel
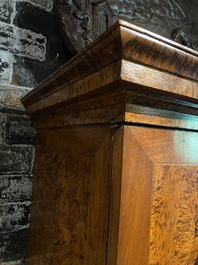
117	156
97	227
135	207
69	216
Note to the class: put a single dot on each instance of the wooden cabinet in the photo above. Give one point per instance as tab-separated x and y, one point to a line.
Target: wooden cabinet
116	165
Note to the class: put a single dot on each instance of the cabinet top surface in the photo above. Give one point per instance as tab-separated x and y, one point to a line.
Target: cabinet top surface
128	57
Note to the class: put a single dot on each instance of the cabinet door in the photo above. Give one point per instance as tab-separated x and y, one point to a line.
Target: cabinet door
70	206
153	220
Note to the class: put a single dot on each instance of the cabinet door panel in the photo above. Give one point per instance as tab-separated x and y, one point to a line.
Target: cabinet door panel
172	235
158	197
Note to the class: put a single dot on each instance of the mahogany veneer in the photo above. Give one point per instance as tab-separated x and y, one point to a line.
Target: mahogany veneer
116	166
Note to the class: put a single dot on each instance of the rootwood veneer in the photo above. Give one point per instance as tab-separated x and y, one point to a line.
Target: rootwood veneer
116	166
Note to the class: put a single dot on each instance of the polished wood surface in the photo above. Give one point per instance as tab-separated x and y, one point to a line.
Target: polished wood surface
158	196
127	75
119	59
116	165
114	196
69	218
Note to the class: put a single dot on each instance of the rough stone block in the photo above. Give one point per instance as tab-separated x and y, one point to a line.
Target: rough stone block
15	188
18	130
16	262
6	9
43	70
13	248
22	74
6	66
1	129
16	159
22	42
37	19
14	217
45	4
10	100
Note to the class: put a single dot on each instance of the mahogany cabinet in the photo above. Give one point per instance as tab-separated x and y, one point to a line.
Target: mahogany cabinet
116	164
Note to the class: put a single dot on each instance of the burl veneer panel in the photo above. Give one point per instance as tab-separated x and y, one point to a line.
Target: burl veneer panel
172	236
69	218
158	197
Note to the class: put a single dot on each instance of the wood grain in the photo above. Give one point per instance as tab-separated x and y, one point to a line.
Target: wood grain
125	66
115	194
196	216
158	197
115	176
127	41
69	217
172	238
158	117
151	81
135	203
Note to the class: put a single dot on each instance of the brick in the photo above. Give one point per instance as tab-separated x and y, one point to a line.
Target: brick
34	18
6	9
45	4
15	159
10	100
15	188
22	74
18	130
6	67
22	42
17	262
37	19
1	129
13	247
43	71
14	217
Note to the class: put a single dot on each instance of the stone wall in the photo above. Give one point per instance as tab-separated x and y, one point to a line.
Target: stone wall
30	50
